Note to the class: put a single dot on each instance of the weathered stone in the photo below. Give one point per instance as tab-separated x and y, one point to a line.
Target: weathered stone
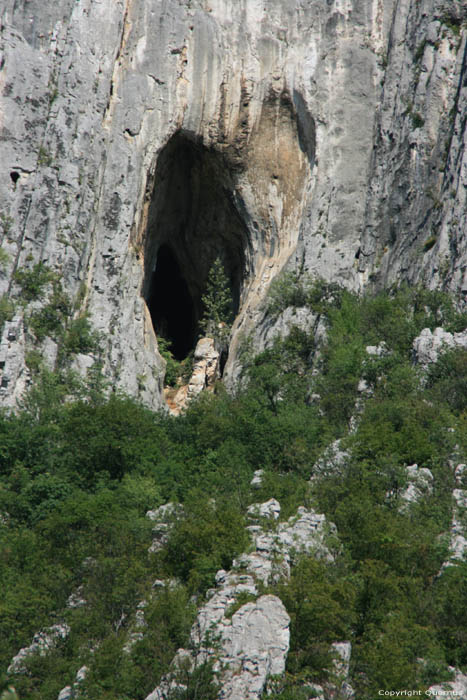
204	375
456	688
72	692
269	509
257	479
332	461
41	643
420	483
264	134
254	641
164	518
377	350
429	345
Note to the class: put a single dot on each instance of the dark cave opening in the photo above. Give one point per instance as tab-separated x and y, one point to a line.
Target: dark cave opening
170	304
193	219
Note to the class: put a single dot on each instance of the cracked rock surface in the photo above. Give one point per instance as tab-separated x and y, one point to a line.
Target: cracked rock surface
333	135
253	639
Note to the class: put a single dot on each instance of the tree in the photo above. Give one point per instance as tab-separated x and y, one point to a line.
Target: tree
217	301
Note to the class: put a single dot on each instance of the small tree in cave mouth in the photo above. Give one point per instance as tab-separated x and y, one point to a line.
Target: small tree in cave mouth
217	301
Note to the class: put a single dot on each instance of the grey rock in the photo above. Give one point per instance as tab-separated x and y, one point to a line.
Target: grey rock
41	643
328	138
164	518
420	483
458	542
72	692
377	350
269	509
460	474
254	641
429	345
75	599
332	461
306	532
14	374
342	652
204	375
257	479
298	317
456	688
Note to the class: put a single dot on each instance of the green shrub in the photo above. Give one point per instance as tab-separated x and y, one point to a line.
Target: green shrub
417	120
217	304
7	310
4	258
173	368
79	337
205	540
33	281
429	243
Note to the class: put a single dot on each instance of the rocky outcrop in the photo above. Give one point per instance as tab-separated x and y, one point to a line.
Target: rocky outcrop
420	483
252	635
14	375
42	643
205	373
339	687
72	692
456	688
163	518
428	346
140	141
458	539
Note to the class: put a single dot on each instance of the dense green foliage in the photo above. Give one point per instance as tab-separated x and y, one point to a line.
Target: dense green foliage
79	470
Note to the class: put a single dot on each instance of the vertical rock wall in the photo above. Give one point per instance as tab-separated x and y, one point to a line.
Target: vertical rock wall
311	112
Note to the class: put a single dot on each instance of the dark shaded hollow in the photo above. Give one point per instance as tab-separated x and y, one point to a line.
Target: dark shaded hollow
170	304
192	220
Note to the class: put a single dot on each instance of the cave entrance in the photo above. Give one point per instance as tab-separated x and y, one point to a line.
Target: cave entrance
170	304
193	218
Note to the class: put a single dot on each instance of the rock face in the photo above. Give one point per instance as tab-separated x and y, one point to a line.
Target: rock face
253	640
206	361
142	140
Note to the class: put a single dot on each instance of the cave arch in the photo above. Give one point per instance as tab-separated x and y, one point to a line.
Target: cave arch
193	218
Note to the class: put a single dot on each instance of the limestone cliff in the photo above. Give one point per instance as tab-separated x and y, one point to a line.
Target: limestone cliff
142	140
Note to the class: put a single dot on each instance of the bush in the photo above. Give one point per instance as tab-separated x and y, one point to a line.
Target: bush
204	540
33	281
217	303
79	338
7	310
173	368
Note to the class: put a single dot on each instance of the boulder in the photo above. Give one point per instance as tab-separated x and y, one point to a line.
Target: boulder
430	344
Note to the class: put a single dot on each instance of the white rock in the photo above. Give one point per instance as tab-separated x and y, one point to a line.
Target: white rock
41	643
452	689
460	474
428	345
72	692
420	483
164	518
269	509
257	479
255	640
377	350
